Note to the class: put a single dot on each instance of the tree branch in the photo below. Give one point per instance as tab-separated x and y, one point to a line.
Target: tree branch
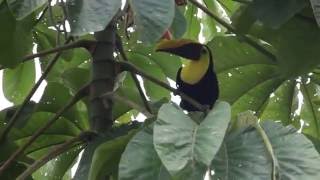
247	39
59	149
131	68
17	113
134	77
81	43
79	95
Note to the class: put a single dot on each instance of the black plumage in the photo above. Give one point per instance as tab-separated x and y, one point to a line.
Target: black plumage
206	91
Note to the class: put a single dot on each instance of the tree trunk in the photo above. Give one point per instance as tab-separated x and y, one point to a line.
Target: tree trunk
102	79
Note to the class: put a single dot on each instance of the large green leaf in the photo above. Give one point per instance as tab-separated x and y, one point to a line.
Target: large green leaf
24	115
148	165
152	17
15	37
297	157
23	8
180	142
75	78
294	56
86	161
210	27
246	77
193	28
59	166
46	39
91	16
274	13
55	97
152	90
18	82
244	155
106	157
179	24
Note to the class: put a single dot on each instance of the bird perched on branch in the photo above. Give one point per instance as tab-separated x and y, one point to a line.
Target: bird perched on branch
197	78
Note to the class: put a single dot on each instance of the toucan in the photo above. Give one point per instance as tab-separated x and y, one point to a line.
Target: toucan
197	78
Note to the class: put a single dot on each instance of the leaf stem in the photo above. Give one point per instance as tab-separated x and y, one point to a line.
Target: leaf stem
79	95
247	39
81	43
267	143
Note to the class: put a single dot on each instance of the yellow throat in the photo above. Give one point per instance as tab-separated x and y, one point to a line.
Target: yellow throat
194	71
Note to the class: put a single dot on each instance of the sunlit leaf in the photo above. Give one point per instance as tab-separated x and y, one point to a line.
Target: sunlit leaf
18	82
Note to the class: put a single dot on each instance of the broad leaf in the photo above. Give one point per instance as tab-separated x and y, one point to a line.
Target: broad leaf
59	166
274	13
25	113
179	24
180	142
91	16
244	155
22	8
148	165
193	28
86	161
15	37
152	17
106	157
18	82
55	97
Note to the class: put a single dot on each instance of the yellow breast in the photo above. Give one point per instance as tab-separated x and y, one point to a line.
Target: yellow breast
194	71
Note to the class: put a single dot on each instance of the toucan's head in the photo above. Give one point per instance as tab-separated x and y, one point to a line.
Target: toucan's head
185	48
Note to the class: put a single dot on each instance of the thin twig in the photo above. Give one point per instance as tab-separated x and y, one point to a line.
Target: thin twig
41	16
134	77
131	68
18	112
59	149
81	43
247	39
133	105
79	95
65	16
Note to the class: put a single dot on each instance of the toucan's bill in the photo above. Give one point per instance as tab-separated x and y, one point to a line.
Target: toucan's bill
183	47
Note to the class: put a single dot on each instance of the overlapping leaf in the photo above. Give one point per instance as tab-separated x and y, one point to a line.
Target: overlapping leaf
23	8
18	82
15	37
152	17
91	16
148	165
243	155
